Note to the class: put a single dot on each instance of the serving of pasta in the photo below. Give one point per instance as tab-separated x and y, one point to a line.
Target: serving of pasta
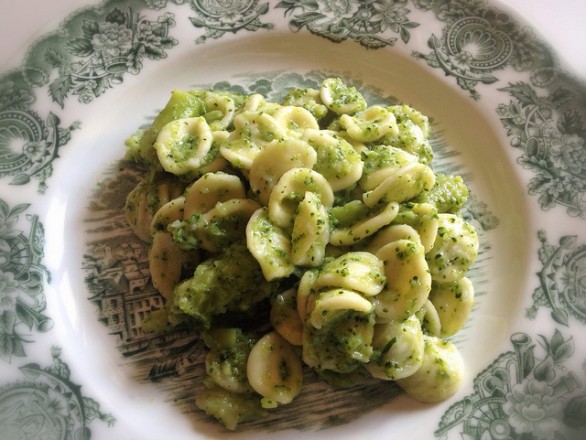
312	233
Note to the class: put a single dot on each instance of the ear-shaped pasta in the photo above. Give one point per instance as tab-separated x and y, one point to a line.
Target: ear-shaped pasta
226	359
370	125
252	132
234	210
276	159
340	98
269	245
304	290
380	162
210	189
220	110
182	145
165	263
291	189
405	112
430	320
392	233
309	99
285	319
359	271
257	103
311	232
167	214
408	280
330	303
453	302
401	185
455	249
401	346
364	228
295	120
274	370
146	199
337	160
440	374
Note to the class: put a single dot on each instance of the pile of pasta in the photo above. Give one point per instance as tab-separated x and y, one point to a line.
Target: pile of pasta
326	209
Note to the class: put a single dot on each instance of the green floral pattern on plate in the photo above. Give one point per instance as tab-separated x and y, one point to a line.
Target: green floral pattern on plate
523	395
95	49
367	23
22	278
47	405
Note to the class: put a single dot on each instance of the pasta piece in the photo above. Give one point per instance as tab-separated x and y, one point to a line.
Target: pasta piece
304	290
143	202
274	370
359	271
227	221
257	103
309	99
295	120
408	280
275	160
220	110
430	320
291	189
340	98
285	319
330	303
167	214
342	345
414	132
370	125
337	160
401	185
226	361
269	245
455	249
453	302
423	217
440	375
382	161
401	347
311	232
364	228
392	233
182	145
252	132
210	189
165	263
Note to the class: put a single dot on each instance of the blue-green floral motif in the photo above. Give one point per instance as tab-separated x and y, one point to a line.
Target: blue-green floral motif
22	278
549	131
367	23
28	143
218	17
522	395
476	41
47	405
94	50
562	280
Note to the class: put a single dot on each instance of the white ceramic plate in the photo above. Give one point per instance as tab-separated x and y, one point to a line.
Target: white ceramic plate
72	290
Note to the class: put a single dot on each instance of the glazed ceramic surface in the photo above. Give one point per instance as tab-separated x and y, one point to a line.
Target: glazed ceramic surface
74	281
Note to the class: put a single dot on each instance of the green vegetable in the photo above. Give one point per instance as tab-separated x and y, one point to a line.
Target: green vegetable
230	409
232	281
180	105
448	194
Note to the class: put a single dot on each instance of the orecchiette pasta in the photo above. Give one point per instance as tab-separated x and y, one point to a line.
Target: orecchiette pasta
274	370
322	208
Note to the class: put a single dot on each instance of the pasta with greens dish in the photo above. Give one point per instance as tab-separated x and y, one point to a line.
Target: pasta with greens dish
320	220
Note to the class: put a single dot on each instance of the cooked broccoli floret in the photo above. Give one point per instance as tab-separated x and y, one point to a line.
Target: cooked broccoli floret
448	194
232	281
